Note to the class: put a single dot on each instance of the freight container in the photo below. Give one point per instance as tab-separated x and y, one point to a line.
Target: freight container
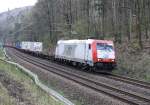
18	44
32	46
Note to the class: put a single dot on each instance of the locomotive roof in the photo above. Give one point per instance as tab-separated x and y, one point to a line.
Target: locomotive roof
85	41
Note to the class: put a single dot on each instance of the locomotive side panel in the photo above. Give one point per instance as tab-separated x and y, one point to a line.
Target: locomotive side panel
73	51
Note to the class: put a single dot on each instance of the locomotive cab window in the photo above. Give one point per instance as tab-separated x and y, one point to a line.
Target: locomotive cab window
106	47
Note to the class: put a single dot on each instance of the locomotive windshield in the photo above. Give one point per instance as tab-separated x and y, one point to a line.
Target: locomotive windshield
105	47
105	51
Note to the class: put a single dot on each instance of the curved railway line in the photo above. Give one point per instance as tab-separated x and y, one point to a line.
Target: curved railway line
122	95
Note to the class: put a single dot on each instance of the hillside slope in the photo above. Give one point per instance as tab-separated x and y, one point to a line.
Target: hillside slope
9	19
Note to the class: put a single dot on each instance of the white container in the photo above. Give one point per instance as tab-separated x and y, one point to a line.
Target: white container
32	46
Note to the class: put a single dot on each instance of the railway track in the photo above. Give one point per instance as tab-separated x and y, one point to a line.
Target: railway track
124	79
117	93
128	80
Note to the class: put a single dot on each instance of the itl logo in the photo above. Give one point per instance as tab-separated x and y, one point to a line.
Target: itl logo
69	50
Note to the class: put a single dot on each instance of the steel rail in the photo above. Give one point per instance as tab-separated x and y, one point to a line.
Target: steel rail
130	80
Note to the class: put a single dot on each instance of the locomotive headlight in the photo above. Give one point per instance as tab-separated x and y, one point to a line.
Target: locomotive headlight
113	60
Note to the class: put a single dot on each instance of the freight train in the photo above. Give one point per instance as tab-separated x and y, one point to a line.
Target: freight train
89	54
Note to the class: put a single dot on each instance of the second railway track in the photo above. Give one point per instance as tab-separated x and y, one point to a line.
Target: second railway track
122	95
130	81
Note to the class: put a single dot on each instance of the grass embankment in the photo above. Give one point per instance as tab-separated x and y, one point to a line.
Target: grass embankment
16	88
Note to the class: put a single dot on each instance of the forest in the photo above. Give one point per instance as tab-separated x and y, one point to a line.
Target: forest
120	20
126	22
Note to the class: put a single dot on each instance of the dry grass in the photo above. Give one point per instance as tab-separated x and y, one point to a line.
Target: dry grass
34	94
